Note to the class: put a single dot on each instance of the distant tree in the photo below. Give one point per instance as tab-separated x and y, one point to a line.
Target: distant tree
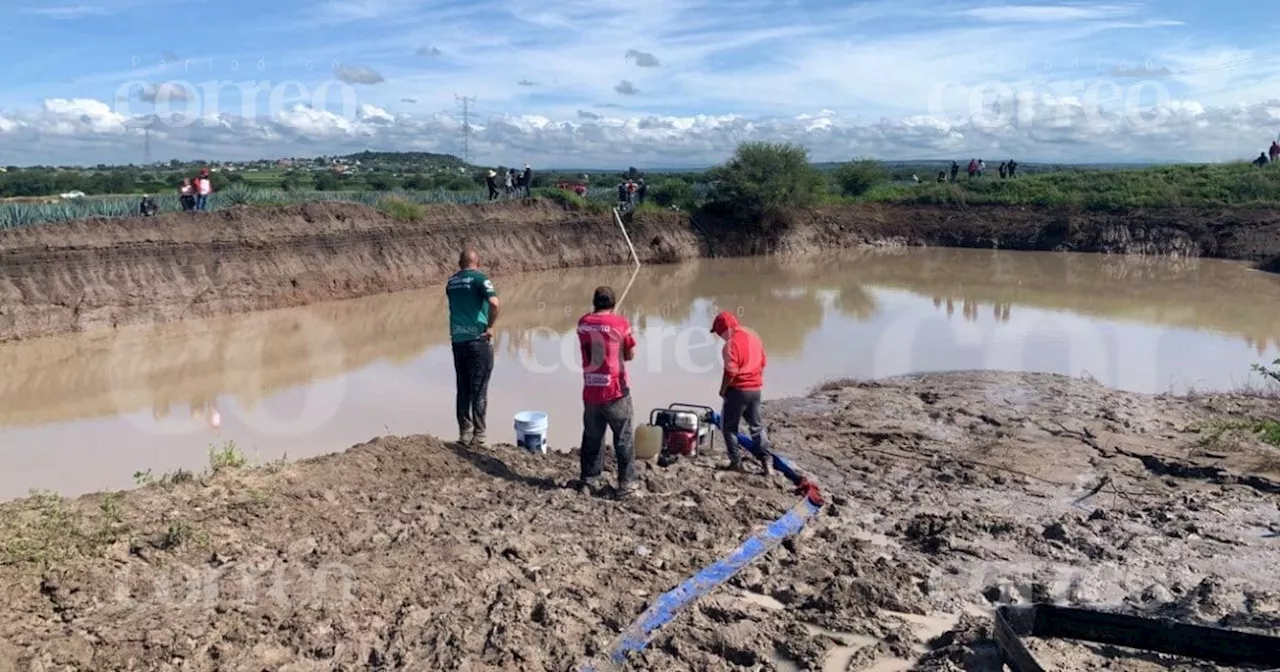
381	182
327	181
857	177
672	191
417	182
764	178
118	182
459	183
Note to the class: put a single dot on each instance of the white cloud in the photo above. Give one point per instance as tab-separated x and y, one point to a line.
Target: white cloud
1048	13
1033	128
358	74
85	10
882	77
67	12
1226	75
165	91
642	59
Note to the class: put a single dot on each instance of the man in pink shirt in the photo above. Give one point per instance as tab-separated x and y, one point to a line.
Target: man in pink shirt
607	344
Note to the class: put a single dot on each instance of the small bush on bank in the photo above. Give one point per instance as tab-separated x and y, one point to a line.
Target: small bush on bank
401	210
671	192
562	197
859	176
764	179
569	200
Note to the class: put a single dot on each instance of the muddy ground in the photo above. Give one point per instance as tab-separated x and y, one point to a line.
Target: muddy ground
949	494
101	274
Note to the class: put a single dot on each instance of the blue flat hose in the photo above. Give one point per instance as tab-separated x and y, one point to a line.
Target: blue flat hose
781	465
669	604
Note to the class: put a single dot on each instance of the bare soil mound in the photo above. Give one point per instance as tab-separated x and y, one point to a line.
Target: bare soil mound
950	493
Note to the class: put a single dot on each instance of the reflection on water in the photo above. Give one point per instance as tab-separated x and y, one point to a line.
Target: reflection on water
84	412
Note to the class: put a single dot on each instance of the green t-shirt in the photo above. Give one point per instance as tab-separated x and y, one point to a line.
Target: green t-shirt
469	292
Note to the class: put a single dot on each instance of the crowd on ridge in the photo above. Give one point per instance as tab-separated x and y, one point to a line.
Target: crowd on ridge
518	184
1270	155
193	195
977	168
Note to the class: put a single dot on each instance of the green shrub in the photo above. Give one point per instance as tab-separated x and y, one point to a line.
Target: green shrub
671	192
859	176
401	210
563	197
762	179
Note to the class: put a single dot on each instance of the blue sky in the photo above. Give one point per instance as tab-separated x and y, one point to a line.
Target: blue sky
667	82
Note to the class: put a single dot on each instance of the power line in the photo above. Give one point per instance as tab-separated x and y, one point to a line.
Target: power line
466	125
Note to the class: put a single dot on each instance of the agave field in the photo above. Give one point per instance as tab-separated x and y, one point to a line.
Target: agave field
29	214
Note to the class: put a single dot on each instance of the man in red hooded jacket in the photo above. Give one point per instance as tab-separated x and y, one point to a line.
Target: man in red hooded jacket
742	388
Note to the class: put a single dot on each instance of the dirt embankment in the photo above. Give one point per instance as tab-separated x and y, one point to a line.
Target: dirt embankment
950	494
1251	235
108	273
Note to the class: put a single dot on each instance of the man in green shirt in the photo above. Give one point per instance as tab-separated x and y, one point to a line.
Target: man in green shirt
473	309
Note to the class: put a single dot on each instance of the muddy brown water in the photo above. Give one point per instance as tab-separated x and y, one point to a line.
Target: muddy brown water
85	412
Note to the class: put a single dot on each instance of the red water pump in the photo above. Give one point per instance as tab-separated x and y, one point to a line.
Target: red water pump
686	428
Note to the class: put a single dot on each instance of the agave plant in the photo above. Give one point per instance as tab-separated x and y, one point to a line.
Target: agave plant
238	194
18	214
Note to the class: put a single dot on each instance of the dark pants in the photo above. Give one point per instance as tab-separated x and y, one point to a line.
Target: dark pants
615	416
473	364
742	405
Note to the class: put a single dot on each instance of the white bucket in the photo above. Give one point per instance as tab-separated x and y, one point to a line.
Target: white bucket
531	431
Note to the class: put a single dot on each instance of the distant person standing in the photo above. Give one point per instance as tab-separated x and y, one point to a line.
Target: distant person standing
491	181
742	389
473	310
1013	168
955	170
973	168
526	180
187	195
511	181
204	188
607	345
1275	151
1004	170
982	167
